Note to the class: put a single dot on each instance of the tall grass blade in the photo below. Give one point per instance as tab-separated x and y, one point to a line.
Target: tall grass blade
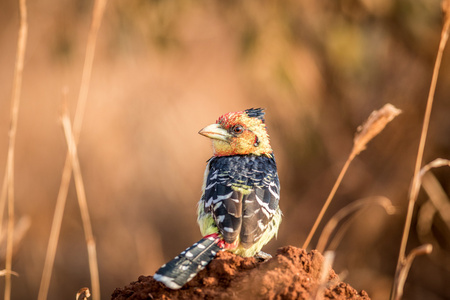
81	195
423	137
9	176
98	12
348	210
376	122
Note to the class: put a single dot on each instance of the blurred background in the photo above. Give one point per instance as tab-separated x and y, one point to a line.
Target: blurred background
165	69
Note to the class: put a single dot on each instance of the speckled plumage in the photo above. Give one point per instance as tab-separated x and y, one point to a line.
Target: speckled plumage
241	194
238	210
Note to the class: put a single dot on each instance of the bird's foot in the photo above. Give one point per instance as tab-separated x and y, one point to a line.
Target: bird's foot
221	242
262	256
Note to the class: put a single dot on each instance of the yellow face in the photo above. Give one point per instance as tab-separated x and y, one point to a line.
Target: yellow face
238	134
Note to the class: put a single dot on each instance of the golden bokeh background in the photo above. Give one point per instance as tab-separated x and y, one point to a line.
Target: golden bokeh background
165	69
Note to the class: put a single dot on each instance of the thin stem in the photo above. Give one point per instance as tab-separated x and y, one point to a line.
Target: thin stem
328	201
406	266
345	212
15	100
98	12
3	199
81	195
423	137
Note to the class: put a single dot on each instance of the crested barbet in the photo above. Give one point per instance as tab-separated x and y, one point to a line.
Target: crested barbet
238	210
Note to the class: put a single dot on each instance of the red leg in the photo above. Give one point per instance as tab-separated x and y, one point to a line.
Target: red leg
221	242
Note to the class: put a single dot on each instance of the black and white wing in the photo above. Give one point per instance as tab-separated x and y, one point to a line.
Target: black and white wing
242	194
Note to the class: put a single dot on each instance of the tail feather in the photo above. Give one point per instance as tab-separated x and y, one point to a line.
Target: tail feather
188	263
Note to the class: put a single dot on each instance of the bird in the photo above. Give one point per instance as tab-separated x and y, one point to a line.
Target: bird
239	207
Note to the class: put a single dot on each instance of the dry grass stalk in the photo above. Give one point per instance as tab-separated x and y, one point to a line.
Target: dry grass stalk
55	230
4	272
3	199
20	229
437	195
98	12
423	137
9	176
376	122
438	203
324	273
427	234
81	195
437	163
425	217
346	211
406	265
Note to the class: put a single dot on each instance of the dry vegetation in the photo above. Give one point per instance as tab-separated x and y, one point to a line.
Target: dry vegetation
164	69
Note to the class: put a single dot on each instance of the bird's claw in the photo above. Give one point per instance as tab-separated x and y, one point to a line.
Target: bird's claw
262	256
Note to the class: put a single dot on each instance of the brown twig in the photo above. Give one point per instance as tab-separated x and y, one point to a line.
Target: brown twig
438	203
21	228
327	202
438	197
423	137
3	199
347	210
98	12
406	265
376	122
81	195
9	176
328	258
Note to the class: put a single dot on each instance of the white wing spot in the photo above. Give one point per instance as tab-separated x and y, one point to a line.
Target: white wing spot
265	205
261	225
222	197
217	205
211	185
228	229
214	175
251	215
264	210
209	202
274	193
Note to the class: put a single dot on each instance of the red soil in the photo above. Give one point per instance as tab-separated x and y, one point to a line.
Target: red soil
291	274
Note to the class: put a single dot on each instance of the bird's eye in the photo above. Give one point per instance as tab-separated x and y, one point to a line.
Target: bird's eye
237	129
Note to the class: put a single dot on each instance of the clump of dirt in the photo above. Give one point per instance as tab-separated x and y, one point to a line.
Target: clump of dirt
291	274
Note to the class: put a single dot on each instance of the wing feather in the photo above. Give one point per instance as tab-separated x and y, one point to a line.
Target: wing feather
242	194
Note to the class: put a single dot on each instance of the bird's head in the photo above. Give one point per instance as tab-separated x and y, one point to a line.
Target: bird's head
239	133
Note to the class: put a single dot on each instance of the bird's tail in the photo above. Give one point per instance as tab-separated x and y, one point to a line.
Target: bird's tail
188	263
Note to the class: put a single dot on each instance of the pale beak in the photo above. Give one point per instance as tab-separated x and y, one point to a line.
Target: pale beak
215	131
